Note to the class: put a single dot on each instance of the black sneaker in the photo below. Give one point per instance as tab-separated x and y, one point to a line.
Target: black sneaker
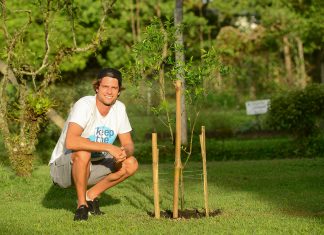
94	207
81	213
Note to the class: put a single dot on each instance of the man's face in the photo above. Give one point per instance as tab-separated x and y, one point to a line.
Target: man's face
107	92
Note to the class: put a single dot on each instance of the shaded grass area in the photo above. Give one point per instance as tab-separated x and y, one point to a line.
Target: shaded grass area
255	197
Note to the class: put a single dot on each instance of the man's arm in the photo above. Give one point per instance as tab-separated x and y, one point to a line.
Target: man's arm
76	142
127	143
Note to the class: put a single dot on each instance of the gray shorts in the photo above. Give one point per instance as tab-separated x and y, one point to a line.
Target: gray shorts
61	170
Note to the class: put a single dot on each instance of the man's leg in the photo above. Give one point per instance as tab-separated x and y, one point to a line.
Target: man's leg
80	173
128	168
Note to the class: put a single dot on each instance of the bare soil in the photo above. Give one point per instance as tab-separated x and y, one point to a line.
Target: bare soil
187	214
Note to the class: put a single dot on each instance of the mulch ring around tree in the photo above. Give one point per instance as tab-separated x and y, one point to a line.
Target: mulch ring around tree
187	214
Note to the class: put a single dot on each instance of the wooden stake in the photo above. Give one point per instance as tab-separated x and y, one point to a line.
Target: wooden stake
177	162
202	138
155	165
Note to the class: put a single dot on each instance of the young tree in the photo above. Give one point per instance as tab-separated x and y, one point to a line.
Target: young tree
149	57
35	65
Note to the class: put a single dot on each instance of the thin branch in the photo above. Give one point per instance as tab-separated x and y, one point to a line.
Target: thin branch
12	43
11	76
44	64
163	122
47	45
138	23
93	45
98	37
3	83
133	21
4	18
64	52
191	140
3	105
70	10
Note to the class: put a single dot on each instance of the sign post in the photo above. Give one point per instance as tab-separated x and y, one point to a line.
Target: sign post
256	108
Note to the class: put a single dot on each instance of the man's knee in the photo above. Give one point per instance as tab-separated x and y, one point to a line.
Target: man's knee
131	166
81	157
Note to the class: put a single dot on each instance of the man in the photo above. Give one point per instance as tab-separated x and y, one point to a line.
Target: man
85	148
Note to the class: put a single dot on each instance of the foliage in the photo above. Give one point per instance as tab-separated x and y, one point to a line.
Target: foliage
155	54
298	111
125	27
37	45
148	55
252	42
63	16
253	54
228	149
39	105
253	57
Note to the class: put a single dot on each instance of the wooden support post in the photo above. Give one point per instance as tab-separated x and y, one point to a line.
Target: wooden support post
202	138
177	162
155	165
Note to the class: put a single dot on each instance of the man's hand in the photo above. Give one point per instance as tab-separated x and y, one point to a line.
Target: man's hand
75	142
127	143
118	153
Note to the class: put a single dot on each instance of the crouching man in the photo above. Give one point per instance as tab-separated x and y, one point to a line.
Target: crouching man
85	154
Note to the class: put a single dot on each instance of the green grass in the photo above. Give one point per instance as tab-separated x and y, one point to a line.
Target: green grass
255	197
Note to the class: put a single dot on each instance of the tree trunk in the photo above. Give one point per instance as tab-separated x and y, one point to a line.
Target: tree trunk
201	31
217	83
149	100
55	118
302	70
322	71
11	76
138	22
180	61
52	114
177	162
20	147
322	66
164	55
21	129
21	161
161	69
133	22
288	63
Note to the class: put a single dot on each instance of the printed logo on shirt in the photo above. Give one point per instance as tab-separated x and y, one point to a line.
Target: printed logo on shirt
102	134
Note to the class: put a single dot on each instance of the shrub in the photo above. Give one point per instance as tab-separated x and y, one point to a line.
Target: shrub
298	111
231	149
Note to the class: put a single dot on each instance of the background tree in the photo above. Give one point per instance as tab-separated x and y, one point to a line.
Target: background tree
249	35
280	57
149	57
37	64
180	63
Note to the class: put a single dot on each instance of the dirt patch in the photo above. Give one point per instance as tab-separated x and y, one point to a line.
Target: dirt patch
187	214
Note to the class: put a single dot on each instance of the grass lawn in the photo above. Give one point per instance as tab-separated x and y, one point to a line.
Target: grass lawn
255	197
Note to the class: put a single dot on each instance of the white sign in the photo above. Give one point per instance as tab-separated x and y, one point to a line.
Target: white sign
257	107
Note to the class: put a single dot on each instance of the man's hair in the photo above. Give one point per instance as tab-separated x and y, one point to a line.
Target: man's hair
108	72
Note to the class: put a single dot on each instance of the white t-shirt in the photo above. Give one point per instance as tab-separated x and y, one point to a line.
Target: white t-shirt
96	127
